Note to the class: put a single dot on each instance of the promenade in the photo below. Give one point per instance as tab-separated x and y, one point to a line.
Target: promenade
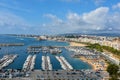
63	75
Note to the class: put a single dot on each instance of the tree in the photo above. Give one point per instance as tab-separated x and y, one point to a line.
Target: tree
112	69
114	78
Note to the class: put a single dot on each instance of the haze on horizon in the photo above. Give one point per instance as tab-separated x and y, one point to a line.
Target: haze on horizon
59	16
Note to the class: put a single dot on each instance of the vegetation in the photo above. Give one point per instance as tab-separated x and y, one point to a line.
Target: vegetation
95	46
70	36
87	43
113	69
112	50
113	78
100	48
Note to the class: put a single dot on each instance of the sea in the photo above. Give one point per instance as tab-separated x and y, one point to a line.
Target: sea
22	53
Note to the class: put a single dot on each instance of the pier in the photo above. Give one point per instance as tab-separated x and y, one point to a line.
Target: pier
6	60
46	64
29	63
11	44
44	49
64	63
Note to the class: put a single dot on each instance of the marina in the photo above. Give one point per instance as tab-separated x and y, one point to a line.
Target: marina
6	60
64	63
23	54
82	51
45	65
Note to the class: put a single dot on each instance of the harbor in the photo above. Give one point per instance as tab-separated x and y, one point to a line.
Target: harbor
47	60
49	48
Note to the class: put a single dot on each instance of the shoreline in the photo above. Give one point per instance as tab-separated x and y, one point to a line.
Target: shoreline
83	58
88	62
95	64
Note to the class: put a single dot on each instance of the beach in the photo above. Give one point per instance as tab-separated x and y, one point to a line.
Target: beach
88	61
76	44
94	63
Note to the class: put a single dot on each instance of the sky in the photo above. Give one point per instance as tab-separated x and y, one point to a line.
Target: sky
46	17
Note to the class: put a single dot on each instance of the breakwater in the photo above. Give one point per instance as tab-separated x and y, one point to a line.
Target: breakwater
11	44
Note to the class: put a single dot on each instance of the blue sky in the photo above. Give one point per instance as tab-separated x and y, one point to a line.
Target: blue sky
59	16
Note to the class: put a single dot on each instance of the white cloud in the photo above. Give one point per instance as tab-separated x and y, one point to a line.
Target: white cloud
11	22
53	18
10	19
113	21
97	17
96	20
117	6
72	16
99	2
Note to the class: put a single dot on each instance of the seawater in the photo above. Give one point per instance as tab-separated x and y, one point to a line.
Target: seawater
22	53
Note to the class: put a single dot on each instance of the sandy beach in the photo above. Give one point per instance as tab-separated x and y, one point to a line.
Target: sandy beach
93	63
76	44
88	61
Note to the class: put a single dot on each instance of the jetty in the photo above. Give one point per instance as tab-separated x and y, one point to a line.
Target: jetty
6	60
44	49
29	63
64	63
46	64
11	44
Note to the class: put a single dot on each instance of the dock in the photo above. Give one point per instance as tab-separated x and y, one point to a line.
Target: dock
29	63
44	49
6	60
64	63
46	64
